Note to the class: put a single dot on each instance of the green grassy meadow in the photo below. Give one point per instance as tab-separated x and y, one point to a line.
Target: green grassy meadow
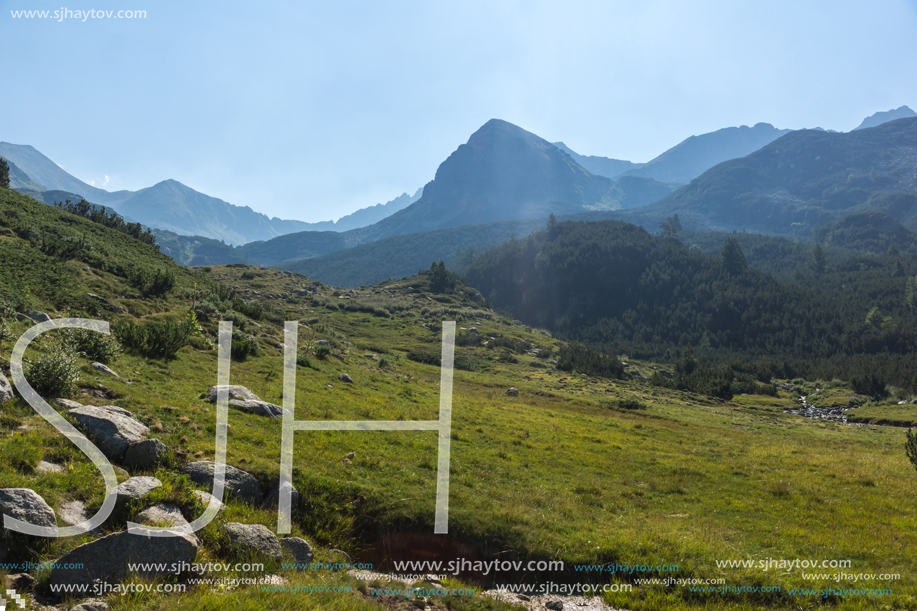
561	472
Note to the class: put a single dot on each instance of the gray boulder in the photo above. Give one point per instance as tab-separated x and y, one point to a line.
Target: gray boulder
6	389
26	505
299	549
112	429
145	454
104	369
38	316
239	483
135	488
512	392
346	378
235	392
253	538
273	497
258	407
107	558
338	556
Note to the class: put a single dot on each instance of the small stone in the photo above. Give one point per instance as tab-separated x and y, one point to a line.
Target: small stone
258	407
6	389
240	483
272	499
512	392
235	392
253	538
554	605
145	454
104	369
346	378
299	549
19	582
336	555
49	467
162	514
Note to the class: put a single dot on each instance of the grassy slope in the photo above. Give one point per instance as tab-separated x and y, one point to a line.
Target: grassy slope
554	473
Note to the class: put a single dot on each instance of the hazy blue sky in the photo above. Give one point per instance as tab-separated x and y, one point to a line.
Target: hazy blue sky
312	110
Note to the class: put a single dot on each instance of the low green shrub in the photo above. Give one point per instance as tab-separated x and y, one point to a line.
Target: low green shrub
583	359
157	339
628	404
92	344
156	282
55	373
243	345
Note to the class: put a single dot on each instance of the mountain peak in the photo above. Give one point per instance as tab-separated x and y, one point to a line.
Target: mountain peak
885	116
498	129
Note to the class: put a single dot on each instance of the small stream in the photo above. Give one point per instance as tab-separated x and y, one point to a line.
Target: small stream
834	414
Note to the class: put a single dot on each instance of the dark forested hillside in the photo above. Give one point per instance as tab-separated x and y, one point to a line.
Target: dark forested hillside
616	287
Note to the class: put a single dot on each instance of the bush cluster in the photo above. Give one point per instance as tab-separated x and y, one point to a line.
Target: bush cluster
157	339
92	344
55	373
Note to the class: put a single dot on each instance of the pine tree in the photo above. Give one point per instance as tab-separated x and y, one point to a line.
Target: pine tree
818	261
733	258
910	292
439	277
4	174
910	447
670	227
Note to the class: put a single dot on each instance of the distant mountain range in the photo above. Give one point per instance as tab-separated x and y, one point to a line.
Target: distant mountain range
688	159
805	179
367	216
505	180
172	206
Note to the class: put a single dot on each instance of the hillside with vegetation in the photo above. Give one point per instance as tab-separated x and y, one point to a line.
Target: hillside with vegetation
663	476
